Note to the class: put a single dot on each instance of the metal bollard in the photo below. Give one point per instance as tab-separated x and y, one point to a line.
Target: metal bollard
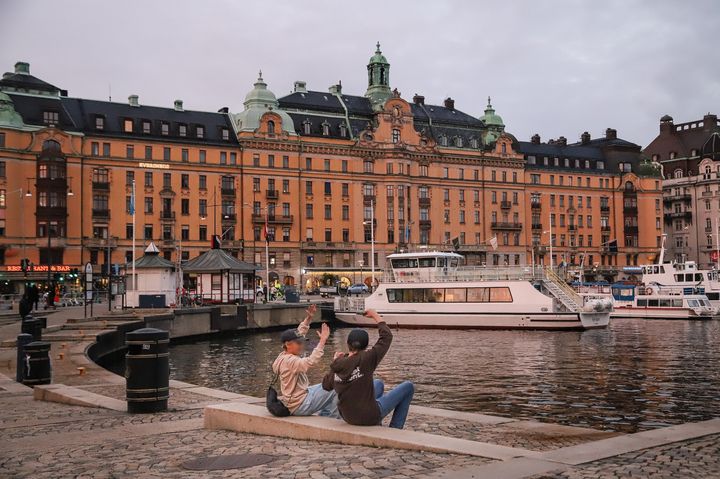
147	370
22	341
38	369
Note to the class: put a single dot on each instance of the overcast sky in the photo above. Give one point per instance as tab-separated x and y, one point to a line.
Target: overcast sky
551	67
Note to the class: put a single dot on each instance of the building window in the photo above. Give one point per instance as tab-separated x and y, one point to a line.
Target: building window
345	190
225	133
148	152
223	158
368	166
202	184
185	155
166	153
148	204
202	233
202	157
309	211
165	128
308	164
343	130
185	206
148	179
99	123
146	127
3	171
148	233
106	149
328	188
396	135
130	152
202	208
325	128
327	164
127	125
182	130
200	131
306	127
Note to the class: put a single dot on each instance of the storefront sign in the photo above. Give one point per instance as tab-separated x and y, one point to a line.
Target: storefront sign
61	268
158	166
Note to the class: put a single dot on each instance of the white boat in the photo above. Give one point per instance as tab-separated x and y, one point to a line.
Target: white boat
653	303
432	290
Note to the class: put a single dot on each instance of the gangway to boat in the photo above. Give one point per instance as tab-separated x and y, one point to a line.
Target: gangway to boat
564	293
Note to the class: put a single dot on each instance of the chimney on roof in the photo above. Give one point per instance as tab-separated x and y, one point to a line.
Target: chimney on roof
134	100
300	87
535	139
418	99
710	122
22	68
178	105
336	89
585	138
611	134
551	141
224	110
449	103
562	141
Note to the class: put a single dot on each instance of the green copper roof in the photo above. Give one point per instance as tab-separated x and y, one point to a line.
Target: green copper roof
8	115
378	57
490	118
260	94
257	102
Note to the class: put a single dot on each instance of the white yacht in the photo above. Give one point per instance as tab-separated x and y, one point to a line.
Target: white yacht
432	290
653	303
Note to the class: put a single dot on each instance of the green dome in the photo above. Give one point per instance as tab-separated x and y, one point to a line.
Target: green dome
378	57
490	118
260	94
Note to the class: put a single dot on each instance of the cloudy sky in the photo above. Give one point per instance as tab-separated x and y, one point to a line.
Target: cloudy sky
553	67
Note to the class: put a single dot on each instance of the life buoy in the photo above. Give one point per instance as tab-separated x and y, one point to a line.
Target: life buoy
649	291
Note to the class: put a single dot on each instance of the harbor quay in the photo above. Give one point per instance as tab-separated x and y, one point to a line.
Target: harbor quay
79	426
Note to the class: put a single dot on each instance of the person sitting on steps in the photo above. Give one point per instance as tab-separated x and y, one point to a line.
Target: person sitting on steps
361	401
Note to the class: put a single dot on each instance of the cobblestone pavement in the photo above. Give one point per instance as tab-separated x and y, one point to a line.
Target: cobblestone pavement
505	434
698	458
161	454
179	399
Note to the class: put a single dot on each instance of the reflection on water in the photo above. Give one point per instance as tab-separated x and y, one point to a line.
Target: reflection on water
635	375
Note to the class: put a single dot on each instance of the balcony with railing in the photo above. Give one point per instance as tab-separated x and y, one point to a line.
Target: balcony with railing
167	216
228	217
605	228
50	212
605	208
680	197
271	194
676	215
537	226
100	243
505	204
630	210
631	230
572	227
368	199
101	185
425	224
424	202
328	245
101	214
535	204
503	225
272	219
228	190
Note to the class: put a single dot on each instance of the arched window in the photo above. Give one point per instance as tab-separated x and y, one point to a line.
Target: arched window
708	172
396	135
473	143
326	128
504	148
678	173
343	130
458	142
443	140
51	145
629	186
306	127
271	127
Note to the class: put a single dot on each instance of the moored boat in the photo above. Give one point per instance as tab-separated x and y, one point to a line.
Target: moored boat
657	303
432	290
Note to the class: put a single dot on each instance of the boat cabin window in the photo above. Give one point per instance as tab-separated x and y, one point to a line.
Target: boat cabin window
665	303
698	277
693	303
642	303
677	303
713	296
450	295
441	262
405	263
427	262
453	262
653	303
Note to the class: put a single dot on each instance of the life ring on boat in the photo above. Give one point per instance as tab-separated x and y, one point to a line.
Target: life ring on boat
650	291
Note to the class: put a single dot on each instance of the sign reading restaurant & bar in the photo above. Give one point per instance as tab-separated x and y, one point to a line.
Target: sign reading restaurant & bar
61	268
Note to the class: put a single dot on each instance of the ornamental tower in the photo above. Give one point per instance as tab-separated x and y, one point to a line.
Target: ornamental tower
378	79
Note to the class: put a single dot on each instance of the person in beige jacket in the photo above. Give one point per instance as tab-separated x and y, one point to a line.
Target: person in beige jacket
291	366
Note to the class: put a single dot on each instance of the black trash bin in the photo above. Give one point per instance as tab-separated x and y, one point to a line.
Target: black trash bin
147	370
37	363
22	341
291	295
33	327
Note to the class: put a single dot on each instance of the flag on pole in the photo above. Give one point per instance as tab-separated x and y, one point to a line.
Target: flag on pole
266	230
131	208
493	243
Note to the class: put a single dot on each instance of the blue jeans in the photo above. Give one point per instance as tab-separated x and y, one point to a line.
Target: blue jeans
319	401
396	401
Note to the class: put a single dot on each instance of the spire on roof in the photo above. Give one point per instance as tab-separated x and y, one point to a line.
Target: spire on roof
489	104
260	78
152	249
378	48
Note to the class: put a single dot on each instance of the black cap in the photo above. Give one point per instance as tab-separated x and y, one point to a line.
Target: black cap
291	335
358	339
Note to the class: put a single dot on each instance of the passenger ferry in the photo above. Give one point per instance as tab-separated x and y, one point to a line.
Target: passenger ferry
655	303
432	290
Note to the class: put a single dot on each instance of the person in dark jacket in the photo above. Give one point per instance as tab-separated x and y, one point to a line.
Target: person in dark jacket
361	401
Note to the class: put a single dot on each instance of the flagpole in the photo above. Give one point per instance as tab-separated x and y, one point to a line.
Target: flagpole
372	244
134	281
551	245
267	259
717	243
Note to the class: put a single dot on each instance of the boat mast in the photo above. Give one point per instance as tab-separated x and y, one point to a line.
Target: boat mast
662	249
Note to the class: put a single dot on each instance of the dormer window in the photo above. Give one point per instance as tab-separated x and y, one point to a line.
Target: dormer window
459	142
343	130
473	143
99	123
396	135
127	125
672	155
165	128
200	132
600	165
271	127
503	148
182	130
306	127
443	140
678	173
225	134
146	127
693	152
325	128
51	118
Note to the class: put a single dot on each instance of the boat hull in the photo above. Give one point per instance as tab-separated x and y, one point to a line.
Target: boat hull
658	313
444	320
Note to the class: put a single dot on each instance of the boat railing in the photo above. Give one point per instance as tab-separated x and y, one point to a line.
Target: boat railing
350	304
465	274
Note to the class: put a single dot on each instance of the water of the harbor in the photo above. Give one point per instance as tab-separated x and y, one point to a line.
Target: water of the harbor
636	375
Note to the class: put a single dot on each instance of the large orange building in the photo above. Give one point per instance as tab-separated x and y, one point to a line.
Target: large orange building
316	166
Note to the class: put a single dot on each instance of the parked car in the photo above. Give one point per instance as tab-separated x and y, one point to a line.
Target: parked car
358	288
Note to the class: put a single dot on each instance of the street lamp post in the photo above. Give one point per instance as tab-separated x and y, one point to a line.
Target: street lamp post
372	244
267	250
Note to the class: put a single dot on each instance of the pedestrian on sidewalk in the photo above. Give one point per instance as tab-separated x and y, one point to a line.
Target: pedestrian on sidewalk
361	401
291	368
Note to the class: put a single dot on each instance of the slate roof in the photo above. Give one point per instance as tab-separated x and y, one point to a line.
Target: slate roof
327	102
149	261
216	260
611	151
23	81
